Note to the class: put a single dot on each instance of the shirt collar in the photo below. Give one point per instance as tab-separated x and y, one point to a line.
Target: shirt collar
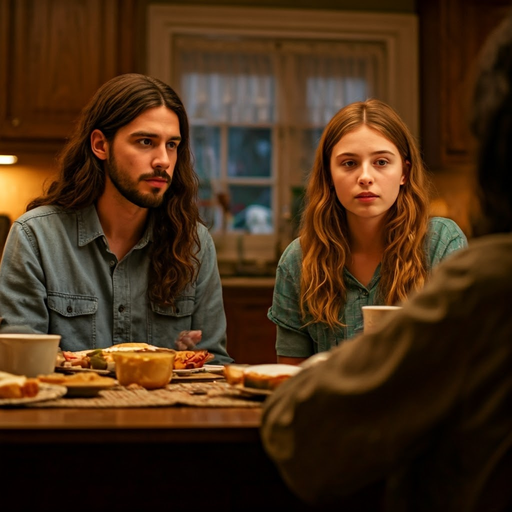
89	228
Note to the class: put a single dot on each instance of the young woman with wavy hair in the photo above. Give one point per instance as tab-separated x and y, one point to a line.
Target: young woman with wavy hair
365	236
115	250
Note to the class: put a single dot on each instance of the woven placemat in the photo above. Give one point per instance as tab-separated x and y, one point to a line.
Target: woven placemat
207	394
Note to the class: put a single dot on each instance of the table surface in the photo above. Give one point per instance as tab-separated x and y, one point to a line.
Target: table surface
159	451
168	424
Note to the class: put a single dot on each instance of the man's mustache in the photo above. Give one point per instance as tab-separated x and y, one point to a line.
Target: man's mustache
156	174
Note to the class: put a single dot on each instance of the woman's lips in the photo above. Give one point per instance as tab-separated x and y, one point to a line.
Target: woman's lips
366	197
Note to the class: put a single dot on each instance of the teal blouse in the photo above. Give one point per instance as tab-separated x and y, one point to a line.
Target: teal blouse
293	340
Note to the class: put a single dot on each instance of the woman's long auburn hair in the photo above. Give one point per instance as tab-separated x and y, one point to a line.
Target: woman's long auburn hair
324	235
81	179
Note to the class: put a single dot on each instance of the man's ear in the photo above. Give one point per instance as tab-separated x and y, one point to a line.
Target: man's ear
405	172
99	144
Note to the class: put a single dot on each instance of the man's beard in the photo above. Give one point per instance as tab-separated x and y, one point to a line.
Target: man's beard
128	189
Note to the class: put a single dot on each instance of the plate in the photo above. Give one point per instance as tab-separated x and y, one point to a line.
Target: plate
253	391
79	369
46	392
210	368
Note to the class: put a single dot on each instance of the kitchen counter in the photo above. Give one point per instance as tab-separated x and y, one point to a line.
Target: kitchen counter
248	281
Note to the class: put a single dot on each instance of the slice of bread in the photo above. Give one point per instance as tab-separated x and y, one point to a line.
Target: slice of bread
234	373
260	376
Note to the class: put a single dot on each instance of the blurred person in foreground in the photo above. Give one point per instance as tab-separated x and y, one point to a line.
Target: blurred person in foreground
115	251
425	402
366	236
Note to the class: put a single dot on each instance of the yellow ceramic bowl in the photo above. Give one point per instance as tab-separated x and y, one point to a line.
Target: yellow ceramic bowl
150	370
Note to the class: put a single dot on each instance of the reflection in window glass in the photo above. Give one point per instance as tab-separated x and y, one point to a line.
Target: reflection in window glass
205	142
310	140
249	152
205	145
251	208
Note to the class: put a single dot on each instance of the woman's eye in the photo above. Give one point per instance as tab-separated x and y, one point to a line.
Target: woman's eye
172	145
381	163
348	163
145	142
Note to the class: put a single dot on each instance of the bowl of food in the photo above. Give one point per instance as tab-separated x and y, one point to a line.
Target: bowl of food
151	370
28	354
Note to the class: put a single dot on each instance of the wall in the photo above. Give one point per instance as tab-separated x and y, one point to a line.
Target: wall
21	183
404	6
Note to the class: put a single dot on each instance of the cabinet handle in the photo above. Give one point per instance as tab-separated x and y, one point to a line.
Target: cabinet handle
16	122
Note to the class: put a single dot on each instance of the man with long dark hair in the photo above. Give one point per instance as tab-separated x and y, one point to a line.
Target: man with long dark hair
424	403
115	250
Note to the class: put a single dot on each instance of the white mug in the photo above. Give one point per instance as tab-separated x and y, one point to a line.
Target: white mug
28	354
373	316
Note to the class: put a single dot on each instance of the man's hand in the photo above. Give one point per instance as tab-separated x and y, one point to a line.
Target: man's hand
187	340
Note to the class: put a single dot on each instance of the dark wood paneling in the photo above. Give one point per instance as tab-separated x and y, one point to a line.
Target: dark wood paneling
251	335
55	54
452	33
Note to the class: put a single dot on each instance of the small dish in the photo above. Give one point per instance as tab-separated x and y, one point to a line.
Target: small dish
87	389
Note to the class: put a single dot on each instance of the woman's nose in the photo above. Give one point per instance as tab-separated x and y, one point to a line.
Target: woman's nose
365	178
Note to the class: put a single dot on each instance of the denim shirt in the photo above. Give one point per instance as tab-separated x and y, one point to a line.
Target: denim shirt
444	237
59	276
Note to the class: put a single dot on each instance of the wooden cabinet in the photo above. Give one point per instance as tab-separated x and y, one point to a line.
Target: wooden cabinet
452	33
54	54
251	335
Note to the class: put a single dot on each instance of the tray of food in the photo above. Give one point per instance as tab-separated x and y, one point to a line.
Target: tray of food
101	361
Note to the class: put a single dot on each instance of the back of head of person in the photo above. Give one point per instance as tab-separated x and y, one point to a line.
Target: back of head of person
82	177
492	126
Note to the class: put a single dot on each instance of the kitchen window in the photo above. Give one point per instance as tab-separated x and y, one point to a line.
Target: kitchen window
259	86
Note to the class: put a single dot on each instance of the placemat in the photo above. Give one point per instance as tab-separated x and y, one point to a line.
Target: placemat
197	394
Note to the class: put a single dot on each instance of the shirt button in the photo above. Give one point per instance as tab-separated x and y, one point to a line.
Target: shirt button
365	294
69	309
112	263
120	308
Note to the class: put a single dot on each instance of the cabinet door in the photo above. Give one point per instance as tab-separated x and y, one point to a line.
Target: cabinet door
251	335
452	35
54	54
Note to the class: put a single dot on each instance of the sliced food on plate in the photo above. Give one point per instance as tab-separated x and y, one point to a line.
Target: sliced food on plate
186	359
17	386
261	376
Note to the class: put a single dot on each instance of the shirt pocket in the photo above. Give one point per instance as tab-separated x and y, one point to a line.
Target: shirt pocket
167	322
74	318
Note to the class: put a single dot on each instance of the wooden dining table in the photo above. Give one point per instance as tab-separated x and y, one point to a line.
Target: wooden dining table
157	458
139	458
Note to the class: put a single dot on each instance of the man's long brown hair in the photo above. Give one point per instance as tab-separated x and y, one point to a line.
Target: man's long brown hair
324	235
81	179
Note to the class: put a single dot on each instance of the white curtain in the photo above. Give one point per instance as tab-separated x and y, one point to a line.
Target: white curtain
288	82
226	81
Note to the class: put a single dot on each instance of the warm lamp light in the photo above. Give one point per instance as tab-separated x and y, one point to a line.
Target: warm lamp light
8	159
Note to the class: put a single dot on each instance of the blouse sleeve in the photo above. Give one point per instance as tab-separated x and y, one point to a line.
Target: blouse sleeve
292	340
444	238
